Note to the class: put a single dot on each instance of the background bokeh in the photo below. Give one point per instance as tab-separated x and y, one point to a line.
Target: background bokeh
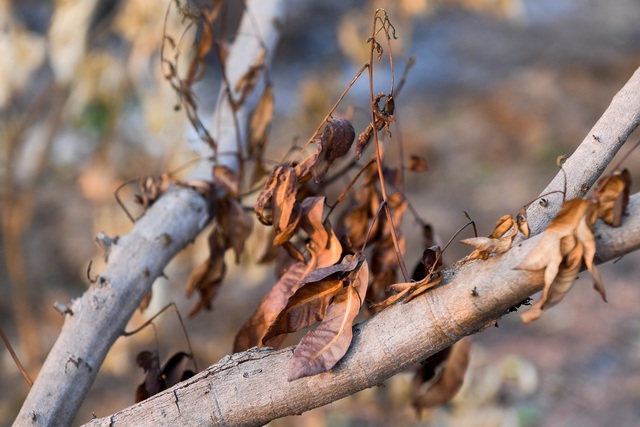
499	89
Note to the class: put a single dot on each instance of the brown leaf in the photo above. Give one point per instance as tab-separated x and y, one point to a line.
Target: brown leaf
259	125
265	196
303	169
207	277
236	225
226	181
417	163
304	308
320	349
612	192
152	384
334	142
412	288
562	283
363	140
440	380
496	243
348	264
175	370
254	329
247	82
324	243
567	241
286	210
144	304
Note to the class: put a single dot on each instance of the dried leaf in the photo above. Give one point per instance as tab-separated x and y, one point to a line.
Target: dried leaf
417	163
334	142
265	196
152	384
567	241
254	329
144	304
286	210
259	125
175	370
324	244
304	308
322	348
612	192
348	264
236	225
495	243
247	82
303	169
363	140
442	376
226	181
207	277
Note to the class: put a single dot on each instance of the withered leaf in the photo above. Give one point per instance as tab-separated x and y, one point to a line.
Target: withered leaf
564	280
440	380
417	163
304	308
286	210
412	288
175	370
227	182
324	243
259	128
496	243
152	384
567	241
320	349
334	142
236	225
247	82
254	329
265	196
612	193
207	277
303	169
348	264
363	140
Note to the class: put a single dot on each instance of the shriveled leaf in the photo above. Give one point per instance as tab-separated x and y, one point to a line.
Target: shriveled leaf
348	264
334	142
265	196
562	283
236	225
612	192
207	277
363	140
547	253
144	304
417	163
304	308
286	210
585	236
254	329
311	223
303	169
355	220
259	125
440	380
412	288
175	370
152	384
322	348
247	82
496	243
227	182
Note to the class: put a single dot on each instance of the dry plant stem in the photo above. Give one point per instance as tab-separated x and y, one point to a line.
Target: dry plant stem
100	315
591	158
250	388
259	30
15	358
376	142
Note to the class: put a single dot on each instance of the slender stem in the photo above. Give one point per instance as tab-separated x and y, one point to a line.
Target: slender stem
15	358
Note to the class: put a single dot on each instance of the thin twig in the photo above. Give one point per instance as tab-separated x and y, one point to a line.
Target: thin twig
15	358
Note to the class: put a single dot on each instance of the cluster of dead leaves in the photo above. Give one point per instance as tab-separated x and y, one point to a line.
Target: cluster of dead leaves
566	245
231	228
568	242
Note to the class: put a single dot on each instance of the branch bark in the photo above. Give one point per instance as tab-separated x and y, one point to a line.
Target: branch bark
99	317
251	388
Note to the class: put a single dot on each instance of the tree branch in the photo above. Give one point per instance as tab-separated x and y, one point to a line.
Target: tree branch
593	155
251	388
100	315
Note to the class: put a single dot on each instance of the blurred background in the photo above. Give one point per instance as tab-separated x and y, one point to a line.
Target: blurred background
499	89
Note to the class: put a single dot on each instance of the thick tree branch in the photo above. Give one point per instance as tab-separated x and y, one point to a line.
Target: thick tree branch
251	388
99	317
593	155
